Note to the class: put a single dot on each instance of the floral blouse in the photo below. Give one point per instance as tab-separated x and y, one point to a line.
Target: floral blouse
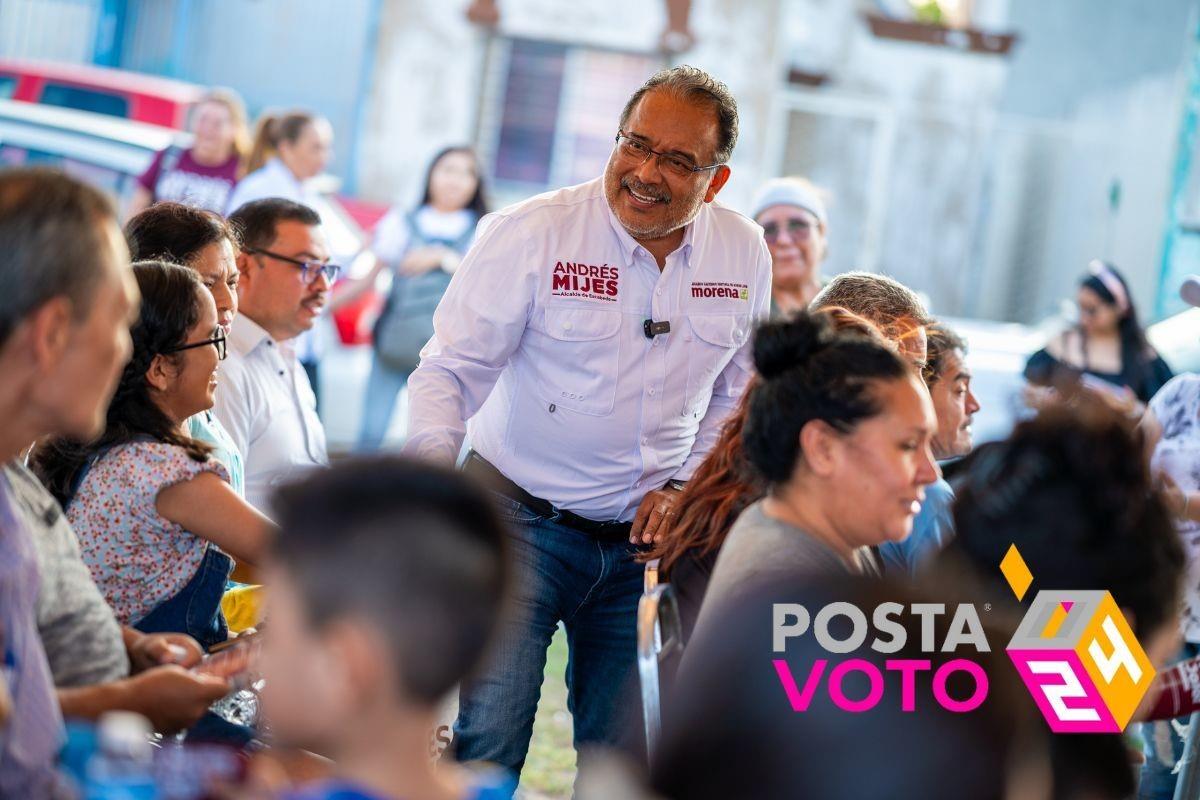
137	557
1177	409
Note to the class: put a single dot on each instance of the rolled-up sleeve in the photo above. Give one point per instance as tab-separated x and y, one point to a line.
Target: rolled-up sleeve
477	326
732	381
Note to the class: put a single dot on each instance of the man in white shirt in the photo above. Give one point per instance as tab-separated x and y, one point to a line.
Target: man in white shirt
265	400
596	338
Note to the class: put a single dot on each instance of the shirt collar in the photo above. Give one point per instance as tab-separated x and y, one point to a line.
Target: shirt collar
245	335
629	245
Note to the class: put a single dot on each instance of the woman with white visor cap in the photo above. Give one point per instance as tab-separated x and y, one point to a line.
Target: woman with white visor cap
792	214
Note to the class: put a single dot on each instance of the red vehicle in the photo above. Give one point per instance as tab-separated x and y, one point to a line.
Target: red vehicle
114	92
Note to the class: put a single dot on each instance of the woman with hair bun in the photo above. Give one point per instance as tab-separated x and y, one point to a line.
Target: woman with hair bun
722	488
838	429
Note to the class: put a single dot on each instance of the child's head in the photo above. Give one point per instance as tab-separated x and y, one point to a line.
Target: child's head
386	583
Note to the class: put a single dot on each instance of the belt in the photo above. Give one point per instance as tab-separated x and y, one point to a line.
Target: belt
482	470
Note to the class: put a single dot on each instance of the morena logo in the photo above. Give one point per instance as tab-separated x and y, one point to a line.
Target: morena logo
1077	655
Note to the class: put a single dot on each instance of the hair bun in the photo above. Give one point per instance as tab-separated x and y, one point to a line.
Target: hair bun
781	346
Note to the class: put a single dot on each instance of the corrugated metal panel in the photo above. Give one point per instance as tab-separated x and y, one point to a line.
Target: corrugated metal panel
56	30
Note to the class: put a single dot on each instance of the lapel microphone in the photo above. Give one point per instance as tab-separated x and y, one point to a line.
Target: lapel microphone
652	328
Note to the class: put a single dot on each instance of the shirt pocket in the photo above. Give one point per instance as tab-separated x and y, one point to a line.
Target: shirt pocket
581	371
712	341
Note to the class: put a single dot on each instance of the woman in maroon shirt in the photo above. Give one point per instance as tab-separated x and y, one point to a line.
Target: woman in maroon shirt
205	174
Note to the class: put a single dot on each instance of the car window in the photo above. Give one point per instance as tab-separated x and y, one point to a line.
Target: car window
116	183
8	86
65	96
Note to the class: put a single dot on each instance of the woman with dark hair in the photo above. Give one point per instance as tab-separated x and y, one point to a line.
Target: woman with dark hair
1107	351
838	428
422	248
154	513
721	488
204	242
1071	489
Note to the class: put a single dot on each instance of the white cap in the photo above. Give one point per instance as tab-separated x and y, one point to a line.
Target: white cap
790	192
1190	291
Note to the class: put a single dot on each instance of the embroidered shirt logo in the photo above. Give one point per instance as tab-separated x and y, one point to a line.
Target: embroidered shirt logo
731	291
572	279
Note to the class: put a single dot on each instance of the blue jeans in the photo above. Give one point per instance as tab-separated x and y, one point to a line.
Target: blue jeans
383	388
593	587
196	608
1161	744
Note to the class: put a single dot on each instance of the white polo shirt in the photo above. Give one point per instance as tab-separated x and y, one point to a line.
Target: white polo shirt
539	342
266	404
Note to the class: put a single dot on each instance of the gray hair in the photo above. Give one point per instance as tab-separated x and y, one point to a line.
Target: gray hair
51	235
695	85
882	300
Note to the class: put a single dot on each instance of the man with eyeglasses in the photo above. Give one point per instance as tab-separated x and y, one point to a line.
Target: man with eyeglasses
596	338
265	400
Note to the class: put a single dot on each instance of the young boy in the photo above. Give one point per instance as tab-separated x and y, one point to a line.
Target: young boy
387	581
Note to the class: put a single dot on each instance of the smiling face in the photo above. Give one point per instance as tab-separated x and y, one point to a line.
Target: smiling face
77	387
651	204
955	406
214	128
217	267
185	382
878	471
271	291
796	239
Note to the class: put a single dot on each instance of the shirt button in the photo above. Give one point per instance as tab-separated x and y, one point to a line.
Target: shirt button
652	392
566	326
658	291
645	440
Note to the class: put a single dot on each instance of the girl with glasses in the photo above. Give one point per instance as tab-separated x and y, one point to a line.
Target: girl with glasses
157	521
205	243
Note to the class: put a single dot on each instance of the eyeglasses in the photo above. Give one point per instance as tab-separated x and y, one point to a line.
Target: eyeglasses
797	228
218	341
672	163
309	270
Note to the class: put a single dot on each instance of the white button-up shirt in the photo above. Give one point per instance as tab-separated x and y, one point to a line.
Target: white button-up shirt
266	404
539	342
272	179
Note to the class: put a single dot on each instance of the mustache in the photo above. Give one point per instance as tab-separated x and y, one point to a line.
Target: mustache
645	190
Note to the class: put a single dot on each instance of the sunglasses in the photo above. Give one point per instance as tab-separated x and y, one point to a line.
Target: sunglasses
797	228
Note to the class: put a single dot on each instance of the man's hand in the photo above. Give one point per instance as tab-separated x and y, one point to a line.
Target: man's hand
655	516
173	698
149	650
